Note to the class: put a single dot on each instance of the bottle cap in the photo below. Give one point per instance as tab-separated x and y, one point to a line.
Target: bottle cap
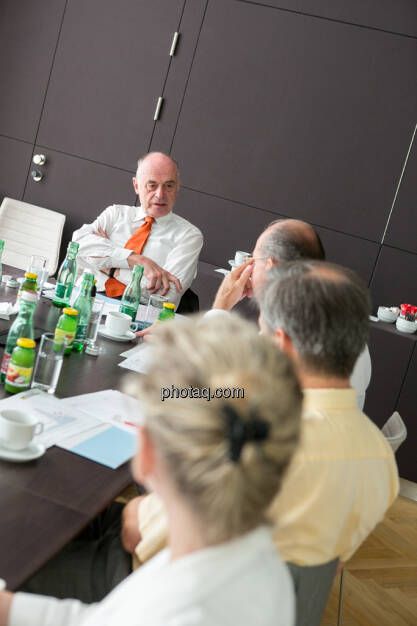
70	311
24	342
31	276
28	296
169	305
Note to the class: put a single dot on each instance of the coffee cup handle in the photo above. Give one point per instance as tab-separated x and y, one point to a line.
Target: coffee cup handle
38	428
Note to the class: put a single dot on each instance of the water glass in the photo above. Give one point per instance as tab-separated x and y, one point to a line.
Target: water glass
38	265
48	363
95	319
155	304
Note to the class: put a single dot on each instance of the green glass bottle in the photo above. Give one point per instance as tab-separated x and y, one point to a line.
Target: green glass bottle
83	304
1	254
21	327
19	372
66	328
131	296
29	284
66	276
167	313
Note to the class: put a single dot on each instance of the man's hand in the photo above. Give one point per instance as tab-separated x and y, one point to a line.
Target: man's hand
130	535
159	279
235	286
145	332
5	601
101	233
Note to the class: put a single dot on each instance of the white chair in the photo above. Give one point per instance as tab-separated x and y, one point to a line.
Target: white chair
29	229
395	431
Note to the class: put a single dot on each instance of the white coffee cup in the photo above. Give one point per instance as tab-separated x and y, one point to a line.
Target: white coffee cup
18	428
240	257
117	323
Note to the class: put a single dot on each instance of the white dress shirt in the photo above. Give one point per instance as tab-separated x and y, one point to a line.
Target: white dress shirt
174	244
241	582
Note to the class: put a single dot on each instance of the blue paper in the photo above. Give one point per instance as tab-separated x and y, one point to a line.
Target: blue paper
112	447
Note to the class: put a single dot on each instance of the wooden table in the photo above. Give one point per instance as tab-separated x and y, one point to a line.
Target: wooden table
46	502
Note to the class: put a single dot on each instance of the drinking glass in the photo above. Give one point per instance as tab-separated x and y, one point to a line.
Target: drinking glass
95	319
155	304
48	363
38	265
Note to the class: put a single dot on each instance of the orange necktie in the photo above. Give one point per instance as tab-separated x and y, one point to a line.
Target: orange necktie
114	287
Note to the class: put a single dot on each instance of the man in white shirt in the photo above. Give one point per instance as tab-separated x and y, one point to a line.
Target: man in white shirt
284	240
169	249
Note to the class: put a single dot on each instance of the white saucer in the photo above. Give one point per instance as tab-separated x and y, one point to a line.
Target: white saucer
33	451
127	337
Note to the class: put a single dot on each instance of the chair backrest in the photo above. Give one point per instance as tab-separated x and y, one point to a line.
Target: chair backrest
189	303
395	431
312	586
29	229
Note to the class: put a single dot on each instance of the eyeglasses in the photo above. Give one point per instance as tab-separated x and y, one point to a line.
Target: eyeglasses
259	258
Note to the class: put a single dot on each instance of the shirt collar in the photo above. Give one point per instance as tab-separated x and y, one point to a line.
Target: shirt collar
324	399
140	215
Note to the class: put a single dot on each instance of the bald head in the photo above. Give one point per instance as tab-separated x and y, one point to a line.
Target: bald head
290	240
323	308
157	183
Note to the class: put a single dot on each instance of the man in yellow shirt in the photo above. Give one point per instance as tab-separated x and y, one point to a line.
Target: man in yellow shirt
344	476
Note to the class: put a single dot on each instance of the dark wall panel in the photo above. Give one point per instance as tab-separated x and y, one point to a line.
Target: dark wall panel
28	33
390	354
230	226
402	229
227	226
80	189
298	115
407	408
109	70
395	278
358	254
179	69
14	163
398	16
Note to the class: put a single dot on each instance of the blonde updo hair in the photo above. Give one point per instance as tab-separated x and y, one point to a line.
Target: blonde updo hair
222	352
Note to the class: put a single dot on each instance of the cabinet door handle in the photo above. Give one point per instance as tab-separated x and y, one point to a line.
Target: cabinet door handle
174	44
36	175
158	108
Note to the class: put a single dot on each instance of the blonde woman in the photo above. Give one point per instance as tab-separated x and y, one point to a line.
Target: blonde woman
216	464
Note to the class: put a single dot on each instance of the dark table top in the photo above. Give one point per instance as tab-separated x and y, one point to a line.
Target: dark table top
46	502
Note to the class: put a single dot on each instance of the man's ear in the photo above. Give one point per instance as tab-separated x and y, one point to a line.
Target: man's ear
284	342
135	185
270	262
144	462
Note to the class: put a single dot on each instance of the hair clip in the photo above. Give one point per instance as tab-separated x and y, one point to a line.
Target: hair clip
238	431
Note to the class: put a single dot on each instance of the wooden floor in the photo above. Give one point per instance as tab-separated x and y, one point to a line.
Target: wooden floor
380	582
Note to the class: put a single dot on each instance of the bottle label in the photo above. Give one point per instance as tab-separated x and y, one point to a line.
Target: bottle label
19	376
60	290
69	291
81	333
5	362
60	335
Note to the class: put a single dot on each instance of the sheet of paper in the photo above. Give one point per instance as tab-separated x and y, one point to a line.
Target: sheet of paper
111	447
59	421
109	406
138	361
